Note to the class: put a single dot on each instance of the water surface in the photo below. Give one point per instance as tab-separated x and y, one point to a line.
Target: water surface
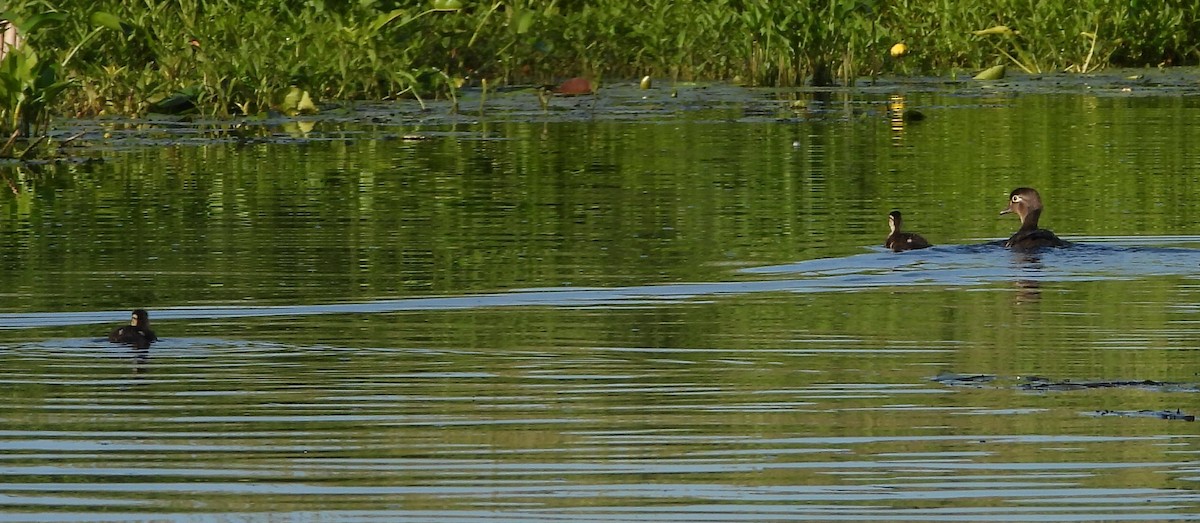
622	309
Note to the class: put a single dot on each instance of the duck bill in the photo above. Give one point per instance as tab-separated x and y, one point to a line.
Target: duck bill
1008	210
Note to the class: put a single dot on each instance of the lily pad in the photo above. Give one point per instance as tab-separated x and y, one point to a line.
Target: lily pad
991	73
181	102
294	100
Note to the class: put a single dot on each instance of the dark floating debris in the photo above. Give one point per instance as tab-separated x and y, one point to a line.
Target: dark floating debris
963	380
1041	384
1044	384
912	115
1176	415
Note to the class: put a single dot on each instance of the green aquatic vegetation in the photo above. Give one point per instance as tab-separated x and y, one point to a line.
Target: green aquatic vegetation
236	56
1045	36
1010	47
30	85
994	72
233	56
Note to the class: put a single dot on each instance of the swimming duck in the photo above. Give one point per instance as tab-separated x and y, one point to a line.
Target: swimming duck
1027	203
902	241
137	333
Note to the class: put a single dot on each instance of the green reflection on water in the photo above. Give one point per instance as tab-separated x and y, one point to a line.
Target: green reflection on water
764	388
507	205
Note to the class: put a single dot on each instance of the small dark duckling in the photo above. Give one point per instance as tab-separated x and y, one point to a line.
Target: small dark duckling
137	333
1027	203
902	241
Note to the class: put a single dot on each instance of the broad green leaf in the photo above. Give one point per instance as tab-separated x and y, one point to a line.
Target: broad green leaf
306	104
109	20
385	19
1002	30
294	100
177	103
35	22
991	73
46	76
524	21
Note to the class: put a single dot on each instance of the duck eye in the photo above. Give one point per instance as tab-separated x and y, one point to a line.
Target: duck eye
1016	198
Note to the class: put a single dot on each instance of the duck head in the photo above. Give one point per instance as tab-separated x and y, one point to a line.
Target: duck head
1027	204
895	222
140	318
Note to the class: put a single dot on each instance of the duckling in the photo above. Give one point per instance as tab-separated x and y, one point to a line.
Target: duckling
1027	204
902	241
137	333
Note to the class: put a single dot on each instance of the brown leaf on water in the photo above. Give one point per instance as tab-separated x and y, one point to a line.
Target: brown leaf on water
574	86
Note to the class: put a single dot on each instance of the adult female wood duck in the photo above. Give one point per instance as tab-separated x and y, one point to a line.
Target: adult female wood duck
137	333
902	241
1027	204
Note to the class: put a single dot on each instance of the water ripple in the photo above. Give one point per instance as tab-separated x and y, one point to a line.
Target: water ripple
942	266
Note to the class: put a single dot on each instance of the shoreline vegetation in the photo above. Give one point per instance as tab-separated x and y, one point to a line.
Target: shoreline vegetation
248	57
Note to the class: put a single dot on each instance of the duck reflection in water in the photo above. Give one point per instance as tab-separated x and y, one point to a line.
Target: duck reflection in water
137	333
1028	291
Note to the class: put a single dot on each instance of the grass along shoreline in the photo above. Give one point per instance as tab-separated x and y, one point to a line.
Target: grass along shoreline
246	57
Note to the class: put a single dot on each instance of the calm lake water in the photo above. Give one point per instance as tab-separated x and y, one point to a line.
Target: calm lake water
637	307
